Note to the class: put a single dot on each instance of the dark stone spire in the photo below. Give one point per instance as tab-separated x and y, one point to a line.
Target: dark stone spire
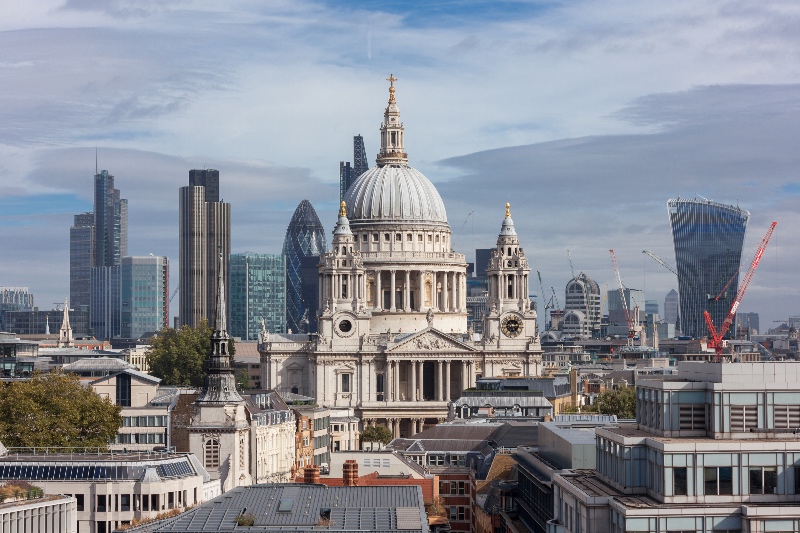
220	381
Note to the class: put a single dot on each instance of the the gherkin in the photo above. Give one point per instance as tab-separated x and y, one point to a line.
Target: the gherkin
305	237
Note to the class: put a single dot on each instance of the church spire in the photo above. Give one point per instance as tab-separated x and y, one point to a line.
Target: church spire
220	382
221	321
65	334
392	150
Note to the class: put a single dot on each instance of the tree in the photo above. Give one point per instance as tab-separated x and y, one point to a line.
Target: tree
178	356
620	402
54	409
380	434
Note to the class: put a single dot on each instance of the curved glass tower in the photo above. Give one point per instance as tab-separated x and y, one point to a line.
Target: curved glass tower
708	239
305	237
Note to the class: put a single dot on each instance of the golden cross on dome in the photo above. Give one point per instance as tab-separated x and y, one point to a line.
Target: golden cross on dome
391	79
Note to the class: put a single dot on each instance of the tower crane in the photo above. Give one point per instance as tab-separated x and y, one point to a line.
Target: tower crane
716	342
660	261
631	325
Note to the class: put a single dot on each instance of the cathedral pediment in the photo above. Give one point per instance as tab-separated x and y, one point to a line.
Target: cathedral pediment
429	340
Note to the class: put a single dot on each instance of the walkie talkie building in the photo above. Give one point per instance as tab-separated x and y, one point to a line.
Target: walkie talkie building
305	237
708	239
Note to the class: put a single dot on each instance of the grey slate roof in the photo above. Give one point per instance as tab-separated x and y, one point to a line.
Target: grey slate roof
297	507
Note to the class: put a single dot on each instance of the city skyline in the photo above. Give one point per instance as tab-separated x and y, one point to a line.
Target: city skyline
707	108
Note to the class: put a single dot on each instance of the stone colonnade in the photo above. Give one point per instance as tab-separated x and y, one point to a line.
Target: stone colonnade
448	290
415	379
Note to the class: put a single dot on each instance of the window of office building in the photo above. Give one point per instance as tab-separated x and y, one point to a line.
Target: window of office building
718	480
679	484
763	480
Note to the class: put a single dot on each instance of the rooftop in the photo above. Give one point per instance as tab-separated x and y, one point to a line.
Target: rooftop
305	507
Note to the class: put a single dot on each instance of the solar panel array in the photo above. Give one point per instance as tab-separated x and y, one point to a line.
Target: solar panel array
83	472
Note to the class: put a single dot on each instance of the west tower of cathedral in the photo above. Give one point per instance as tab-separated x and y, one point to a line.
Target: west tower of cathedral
393	341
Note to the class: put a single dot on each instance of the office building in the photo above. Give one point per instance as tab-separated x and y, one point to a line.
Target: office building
81	260
204	234
110	222
360	163
39	322
746	324
346	178
305	237
105	315
713	449
708	239
145	295
15	298
581	308
258	292
671	305
617	322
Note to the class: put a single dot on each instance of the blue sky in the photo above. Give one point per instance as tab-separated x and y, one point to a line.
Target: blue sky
587	116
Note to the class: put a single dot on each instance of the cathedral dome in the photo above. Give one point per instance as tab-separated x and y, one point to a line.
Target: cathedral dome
392	191
395	193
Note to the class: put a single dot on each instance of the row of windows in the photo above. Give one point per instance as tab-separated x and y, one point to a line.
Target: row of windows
398	237
145	421
140	438
719	480
116	472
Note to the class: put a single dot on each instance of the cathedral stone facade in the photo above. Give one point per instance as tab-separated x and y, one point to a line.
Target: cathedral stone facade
393	341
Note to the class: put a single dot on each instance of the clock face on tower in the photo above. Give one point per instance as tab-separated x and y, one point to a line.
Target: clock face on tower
511	326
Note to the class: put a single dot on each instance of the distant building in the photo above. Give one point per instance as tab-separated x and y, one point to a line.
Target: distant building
360	163
617	322
204	233
747	323
81	259
582	308
346	178
482	258
15	298
671	304
305	237
105	313
258	292
35	321
145	295
708	239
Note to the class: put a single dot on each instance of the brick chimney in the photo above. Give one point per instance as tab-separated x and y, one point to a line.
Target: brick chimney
311	474
350	473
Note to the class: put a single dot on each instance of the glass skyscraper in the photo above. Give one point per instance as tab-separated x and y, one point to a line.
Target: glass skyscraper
145	295
305	237
708	239
257	291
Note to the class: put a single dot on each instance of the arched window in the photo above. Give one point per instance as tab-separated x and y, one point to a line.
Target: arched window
211	453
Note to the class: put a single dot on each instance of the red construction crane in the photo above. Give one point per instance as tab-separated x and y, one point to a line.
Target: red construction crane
628	318
716	341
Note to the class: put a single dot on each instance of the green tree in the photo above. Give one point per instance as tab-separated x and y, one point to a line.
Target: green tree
620	402
178	356
54	409
380	434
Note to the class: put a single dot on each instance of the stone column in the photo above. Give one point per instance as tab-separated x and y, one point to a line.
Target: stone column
439	384
407	292
447	380
378	293
445	300
413	370
420	382
393	289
